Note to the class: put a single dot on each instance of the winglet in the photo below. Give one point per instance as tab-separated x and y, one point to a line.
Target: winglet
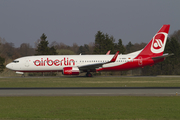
115	57
108	52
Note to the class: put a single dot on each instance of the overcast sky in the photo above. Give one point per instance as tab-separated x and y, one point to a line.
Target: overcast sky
77	21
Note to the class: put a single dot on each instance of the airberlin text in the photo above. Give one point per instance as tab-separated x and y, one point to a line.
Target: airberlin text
56	62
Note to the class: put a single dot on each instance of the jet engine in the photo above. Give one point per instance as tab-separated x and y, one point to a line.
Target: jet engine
70	71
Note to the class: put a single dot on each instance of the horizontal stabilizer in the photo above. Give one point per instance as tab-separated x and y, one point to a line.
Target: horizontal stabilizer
163	56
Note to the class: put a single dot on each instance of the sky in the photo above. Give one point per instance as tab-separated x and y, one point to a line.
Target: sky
77	21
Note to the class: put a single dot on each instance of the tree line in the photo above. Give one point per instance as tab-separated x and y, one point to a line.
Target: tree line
103	42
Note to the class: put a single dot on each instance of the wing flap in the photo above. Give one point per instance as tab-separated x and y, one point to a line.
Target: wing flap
91	66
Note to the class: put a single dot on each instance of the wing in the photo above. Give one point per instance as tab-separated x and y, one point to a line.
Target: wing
97	65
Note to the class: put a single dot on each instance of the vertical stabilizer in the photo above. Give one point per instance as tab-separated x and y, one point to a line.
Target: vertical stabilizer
156	46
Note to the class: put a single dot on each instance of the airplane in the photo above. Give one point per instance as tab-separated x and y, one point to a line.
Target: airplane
76	64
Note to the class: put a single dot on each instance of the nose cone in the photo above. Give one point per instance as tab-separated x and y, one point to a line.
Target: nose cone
9	66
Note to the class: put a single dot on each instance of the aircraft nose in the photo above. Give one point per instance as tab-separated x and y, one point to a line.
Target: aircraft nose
9	66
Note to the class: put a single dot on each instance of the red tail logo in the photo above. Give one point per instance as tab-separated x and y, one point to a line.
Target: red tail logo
158	41
158	44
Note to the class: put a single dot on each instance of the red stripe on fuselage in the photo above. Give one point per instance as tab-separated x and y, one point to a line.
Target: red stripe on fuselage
137	63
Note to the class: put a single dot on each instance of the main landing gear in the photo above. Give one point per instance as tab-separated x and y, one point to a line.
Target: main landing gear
88	74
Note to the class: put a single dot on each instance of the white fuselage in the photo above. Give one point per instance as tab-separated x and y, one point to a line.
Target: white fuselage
58	62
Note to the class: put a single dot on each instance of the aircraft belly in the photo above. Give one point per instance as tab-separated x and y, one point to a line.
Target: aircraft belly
43	68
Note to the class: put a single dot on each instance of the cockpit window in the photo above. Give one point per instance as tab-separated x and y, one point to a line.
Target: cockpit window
15	61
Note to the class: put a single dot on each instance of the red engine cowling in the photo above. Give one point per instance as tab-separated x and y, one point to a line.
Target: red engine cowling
70	71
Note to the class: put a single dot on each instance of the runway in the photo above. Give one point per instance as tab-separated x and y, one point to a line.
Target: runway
93	91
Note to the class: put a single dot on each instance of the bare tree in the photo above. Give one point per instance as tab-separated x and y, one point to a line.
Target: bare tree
26	50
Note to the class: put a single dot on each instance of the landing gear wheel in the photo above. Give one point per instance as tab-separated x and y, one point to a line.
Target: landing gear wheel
88	74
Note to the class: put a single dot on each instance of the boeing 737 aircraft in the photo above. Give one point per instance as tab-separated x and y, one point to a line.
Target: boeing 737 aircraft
74	64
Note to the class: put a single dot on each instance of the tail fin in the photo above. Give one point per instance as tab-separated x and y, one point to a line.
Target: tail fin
156	46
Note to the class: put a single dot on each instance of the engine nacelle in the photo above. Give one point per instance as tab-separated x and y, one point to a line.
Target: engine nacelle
70	71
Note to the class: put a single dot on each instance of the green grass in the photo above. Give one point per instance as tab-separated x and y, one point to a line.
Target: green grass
90	107
91	82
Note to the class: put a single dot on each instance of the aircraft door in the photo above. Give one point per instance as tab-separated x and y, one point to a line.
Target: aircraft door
26	63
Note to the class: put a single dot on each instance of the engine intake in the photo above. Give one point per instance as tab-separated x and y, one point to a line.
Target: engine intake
70	71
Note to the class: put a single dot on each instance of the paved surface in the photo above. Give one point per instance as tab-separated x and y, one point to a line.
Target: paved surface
104	91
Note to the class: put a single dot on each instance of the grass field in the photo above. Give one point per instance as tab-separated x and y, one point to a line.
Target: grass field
90	107
91	82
